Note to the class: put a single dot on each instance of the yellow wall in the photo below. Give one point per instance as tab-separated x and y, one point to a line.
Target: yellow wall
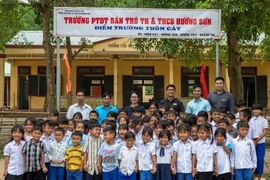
2	82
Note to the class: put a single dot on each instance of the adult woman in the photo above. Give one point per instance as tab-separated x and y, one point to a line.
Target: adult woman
134	99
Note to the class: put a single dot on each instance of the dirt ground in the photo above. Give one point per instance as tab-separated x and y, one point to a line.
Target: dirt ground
266	164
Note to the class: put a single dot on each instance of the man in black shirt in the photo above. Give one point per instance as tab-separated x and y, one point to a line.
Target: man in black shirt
171	102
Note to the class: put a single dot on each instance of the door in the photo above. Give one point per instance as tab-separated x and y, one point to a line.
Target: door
262	90
23	92
249	90
127	89
158	89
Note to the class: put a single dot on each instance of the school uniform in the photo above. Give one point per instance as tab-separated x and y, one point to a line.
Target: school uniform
204	151
109	154
120	142
33	152
145	153
252	132
57	151
214	127
184	159
91	147
164	157
243	158
15	167
47	142
259	123
223	162
128	160
173	139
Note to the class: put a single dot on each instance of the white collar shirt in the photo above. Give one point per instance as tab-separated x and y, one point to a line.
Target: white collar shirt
128	160
244	154
184	156
223	159
145	153
85	110
14	152
57	151
259	123
168	152
252	132
47	142
204	152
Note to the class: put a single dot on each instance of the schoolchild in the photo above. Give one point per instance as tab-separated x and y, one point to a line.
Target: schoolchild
202	117
204	151
146	121
231	129
215	116
147	155
34	158
154	118
74	157
13	165
56	155
108	155
78	116
79	126
181	164
29	123
164	154
240	105
261	125
152	108
63	123
122	130
245	115
90	150
54	115
137	127
71	125
169	125
194	133
128	159
244	160
224	149
93	115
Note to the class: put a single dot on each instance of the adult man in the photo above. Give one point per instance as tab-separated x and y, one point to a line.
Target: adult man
80	106
221	98
171	102
105	107
198	103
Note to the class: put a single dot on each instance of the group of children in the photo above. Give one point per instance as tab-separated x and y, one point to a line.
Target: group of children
154	146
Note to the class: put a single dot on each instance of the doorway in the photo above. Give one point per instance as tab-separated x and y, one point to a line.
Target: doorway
23	92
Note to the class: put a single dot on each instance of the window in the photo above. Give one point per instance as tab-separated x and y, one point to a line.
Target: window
143	70
249	71
189	78
94	81
24	70
38	83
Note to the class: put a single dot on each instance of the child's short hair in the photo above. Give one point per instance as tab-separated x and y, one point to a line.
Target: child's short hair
223	110
127	119
54	113
56	123
123	127
203	114
257	106
173	112
59	129
246	113
81	122
242	124
49	123
130	135
93	121
124	110
148	130
63	120
111	123
146	119
40	122
31	119
221	131
183	119
78	114
155	115
240	103
158	124
223	121
214	110
85	124
137	109
73	122
183	127
93	125
231	116
17	127
164	132
136	121
37	128
167	122
110	130
191	119
112	114
77	133
94	112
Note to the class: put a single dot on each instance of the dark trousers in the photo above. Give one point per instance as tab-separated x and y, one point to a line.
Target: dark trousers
92	177
225	176
38	175
204	176
14	177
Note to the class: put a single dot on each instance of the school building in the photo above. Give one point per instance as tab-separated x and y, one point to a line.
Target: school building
113	65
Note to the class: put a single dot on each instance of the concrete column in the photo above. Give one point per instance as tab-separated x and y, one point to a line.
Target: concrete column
2	82
171	71
115	82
